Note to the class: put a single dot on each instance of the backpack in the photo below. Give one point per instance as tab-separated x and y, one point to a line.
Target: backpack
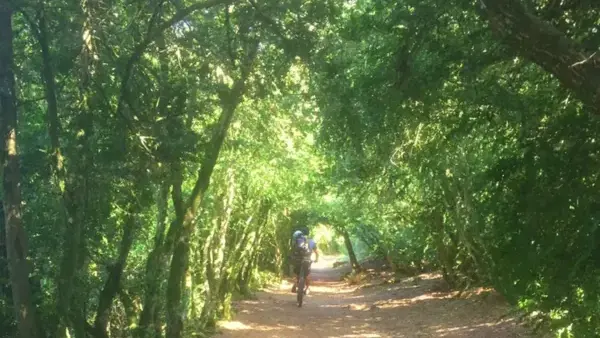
301	248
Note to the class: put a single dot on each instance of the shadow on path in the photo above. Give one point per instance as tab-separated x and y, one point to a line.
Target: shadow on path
334	309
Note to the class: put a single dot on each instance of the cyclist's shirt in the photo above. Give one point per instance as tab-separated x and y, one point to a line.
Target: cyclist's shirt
312	245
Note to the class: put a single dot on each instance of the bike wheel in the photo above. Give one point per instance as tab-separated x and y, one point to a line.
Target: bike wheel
300	288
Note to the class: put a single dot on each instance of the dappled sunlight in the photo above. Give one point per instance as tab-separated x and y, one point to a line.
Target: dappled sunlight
362	335
408	308
234	326
353	297
466	329
322	283
430	276
393	303
387	303
316	288
239	326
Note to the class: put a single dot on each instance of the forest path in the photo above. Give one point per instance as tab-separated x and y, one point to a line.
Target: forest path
410	308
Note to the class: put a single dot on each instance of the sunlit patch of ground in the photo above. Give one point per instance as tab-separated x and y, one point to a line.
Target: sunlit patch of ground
234	326
407	308
465	330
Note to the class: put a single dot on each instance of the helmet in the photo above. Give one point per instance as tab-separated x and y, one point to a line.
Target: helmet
297	234
305	231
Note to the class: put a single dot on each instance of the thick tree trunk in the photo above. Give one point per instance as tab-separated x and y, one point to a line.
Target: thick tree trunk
179	261
548	47
5	292
348	243
183	231
176	280
16	241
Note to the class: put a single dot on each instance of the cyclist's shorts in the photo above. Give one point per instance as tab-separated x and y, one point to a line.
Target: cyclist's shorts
307	266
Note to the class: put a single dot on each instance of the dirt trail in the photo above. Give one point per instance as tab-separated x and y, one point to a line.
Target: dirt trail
334	309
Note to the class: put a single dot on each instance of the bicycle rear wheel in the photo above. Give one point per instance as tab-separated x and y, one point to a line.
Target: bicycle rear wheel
300	287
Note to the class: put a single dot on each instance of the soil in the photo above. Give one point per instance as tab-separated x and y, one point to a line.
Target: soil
411	307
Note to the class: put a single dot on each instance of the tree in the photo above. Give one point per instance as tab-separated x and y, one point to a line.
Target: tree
124	116
16	238
190	135
576	67
461	146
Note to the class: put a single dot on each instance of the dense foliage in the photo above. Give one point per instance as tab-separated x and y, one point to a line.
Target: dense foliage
166	149
454	150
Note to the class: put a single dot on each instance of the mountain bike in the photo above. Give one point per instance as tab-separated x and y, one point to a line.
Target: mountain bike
300	288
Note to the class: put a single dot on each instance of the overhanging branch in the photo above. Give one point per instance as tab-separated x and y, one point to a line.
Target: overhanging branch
152	34
546	46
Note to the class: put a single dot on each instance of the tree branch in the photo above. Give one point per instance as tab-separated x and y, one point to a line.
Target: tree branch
228	33
546	46
229	104
288	44
152	34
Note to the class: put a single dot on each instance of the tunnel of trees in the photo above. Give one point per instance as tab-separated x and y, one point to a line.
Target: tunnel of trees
164	151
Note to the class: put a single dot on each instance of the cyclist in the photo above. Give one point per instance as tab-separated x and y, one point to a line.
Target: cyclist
298	256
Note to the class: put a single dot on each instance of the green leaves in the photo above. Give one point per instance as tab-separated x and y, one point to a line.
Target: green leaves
405	123
446	144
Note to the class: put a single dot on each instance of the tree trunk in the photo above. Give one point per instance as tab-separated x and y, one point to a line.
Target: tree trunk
154	31
69	222
184	230
249	257
156	260
179	261
113	280
390	260
5	292
348	243
215	247
16	240
51	98
128	306
540	42
443	252
236	256
158	256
